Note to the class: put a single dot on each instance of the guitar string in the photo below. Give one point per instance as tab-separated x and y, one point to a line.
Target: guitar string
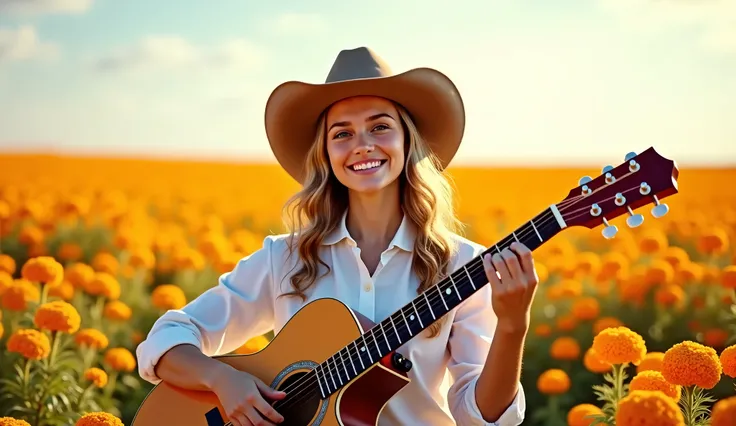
309	378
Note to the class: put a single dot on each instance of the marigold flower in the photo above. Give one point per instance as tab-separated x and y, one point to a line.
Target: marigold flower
2	329
566	322
64	290
96	376
105	285
57	316
619	345
715	337
579	414
553	382
7	264
676	256
652	361
586	308
92	338
648	408
689	363
69	252
593	362
715	241
16	297
168	296
142	258
724	412
655	381
604	323
43	269
543	330
728	277
660	272
653	240
9	421
120	359
669	295
565	348
99	419
5	281
105	262
728	361
117	311
79	274
30	343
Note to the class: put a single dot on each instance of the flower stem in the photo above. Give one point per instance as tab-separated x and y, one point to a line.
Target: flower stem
689	406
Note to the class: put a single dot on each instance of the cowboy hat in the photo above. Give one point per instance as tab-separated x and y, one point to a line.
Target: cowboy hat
430	97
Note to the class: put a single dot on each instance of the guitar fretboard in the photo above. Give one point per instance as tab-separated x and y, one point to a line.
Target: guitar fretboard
428	307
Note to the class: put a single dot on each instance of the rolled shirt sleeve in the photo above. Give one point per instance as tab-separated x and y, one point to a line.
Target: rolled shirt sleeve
221	319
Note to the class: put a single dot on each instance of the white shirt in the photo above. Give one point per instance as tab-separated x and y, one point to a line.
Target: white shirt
244	305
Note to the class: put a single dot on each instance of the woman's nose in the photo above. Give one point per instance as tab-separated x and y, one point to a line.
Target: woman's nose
364	145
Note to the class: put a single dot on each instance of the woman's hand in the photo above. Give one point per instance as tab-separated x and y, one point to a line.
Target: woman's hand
513	281
243	398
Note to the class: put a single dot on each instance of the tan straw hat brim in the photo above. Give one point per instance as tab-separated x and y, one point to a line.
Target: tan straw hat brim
431	98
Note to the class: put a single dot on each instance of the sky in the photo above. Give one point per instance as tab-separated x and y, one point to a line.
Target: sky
544	82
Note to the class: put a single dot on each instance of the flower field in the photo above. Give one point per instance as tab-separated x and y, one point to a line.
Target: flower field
638	330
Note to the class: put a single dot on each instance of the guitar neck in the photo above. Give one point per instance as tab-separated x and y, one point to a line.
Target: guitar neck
428	307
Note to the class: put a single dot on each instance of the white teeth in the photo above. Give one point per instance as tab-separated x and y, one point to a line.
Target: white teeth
365	166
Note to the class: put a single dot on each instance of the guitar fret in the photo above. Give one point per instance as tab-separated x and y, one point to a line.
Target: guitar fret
319	381
391	317
366	349
459	297
330	370
378	349
407	323
385	338
472	283
344	367
515	237
442	297
535	230
419	317
355	371
360	357
429	305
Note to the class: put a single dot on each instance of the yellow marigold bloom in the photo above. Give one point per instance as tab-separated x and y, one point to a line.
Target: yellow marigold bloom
105	285
613	264
724	412
715	241
120	359
655	381
99	419
553	382
565	348
675	256
604	323
728	277
619	345
578	415
593	362
7	264
96	376
660	272
652	361
9	421
105	262
653	240
43	269
64	290
92	338
30	343
728	361
648	408
543	330
16	297
669	295
69	252
142	258
689	272
57	316
689	363
586	308
6	280
79	274
117	310
168	296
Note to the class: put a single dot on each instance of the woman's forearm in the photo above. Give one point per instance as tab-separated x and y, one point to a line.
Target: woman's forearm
187	367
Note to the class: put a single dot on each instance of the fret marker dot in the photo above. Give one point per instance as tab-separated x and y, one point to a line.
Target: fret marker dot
362	348
411	317
448	291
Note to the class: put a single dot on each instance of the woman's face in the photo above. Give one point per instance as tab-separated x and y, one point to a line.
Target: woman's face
365	143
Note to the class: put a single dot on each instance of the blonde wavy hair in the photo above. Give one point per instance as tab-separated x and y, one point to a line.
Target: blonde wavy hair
427	200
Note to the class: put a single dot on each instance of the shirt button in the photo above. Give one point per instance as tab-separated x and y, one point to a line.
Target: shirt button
367	287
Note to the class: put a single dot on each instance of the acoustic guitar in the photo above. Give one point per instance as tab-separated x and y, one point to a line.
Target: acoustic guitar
346	377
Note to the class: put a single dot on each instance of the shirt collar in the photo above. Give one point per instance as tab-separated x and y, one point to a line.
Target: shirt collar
403	239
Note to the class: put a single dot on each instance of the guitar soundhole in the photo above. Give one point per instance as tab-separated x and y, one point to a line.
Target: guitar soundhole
302	401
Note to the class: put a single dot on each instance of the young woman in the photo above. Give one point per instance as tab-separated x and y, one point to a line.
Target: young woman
373	226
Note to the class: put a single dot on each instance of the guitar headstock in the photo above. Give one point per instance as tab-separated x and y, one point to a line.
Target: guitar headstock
642	179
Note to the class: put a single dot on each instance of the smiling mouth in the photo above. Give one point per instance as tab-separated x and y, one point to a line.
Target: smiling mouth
367	165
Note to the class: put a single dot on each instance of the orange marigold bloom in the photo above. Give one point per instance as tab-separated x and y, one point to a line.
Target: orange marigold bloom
653	240
96	376
579	414
543	330
17	296
715	337
69	252
714	241
57	316
728	361
655	381
553	382
92	338
728	277
724	412
613	263
7	264
593	362
566	323
586	308
120	359
689	363
168	296
604	323
660	272
9	421
648	408
117	310
676	256
99	419
619	345
2	329
105	285
30	343
652	361
64	290
79	274
6	280
142	258
43	269
105	262
565	348
669	295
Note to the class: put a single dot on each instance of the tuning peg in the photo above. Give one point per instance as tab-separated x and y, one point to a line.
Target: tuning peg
634	219
607	169
609	231
583	180
630	155
660	209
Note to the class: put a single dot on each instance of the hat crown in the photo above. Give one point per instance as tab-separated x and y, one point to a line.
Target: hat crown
359	63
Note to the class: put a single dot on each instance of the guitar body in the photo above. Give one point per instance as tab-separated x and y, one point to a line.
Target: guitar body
291	354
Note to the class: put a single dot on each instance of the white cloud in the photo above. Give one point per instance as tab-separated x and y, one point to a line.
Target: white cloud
295	23
166	52
38	7
23	44
715	20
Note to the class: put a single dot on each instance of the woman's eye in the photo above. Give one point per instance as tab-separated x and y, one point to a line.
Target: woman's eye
337	135
381	127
